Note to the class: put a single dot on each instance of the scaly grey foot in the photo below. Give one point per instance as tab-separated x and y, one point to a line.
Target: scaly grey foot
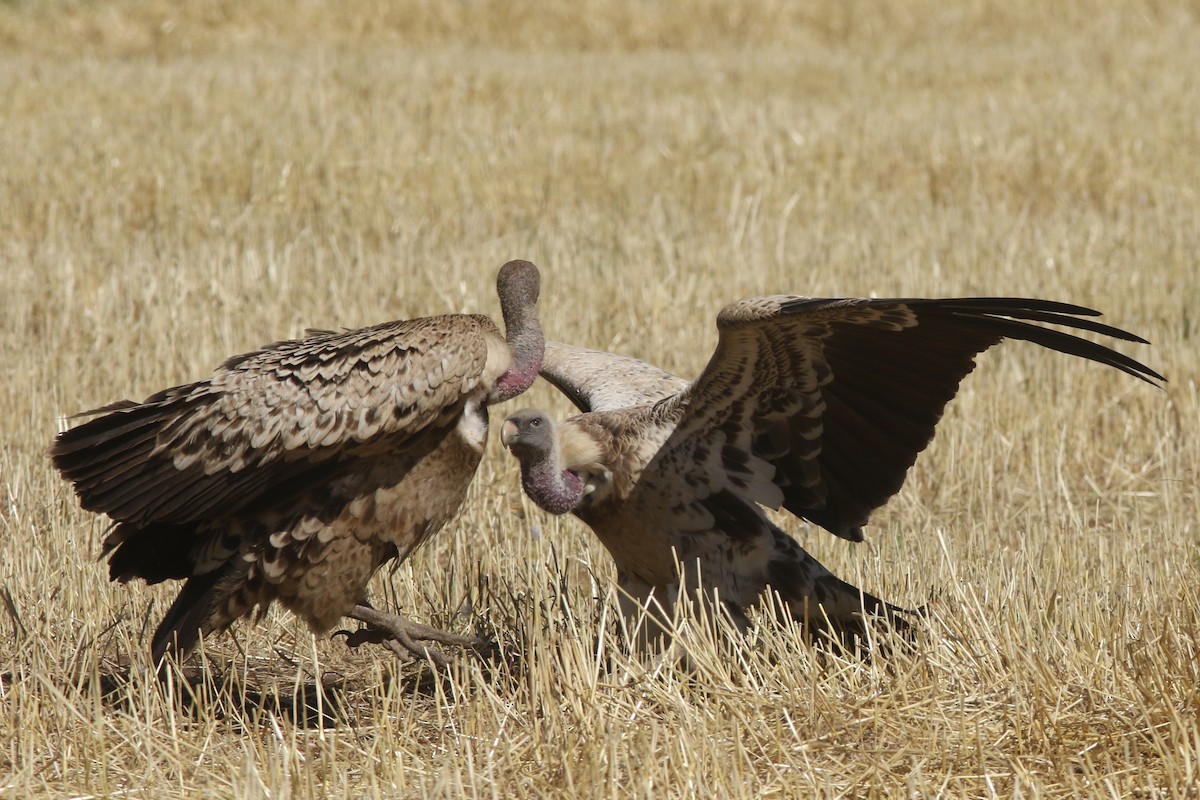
403	636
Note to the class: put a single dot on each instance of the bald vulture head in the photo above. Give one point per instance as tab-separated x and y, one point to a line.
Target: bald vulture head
530	435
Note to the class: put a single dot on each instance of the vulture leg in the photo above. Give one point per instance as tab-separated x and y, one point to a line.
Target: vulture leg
403	636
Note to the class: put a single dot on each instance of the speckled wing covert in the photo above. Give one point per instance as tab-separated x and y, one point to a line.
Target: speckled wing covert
821	405
268	421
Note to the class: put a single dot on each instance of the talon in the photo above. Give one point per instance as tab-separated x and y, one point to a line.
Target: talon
367	635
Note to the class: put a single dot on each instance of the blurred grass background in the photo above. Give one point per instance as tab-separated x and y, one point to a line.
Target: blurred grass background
183	181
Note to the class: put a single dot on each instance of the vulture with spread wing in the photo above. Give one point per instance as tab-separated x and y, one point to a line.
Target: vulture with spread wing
818	406
293	473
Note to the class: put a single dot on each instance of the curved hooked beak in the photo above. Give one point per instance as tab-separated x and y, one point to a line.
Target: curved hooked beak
508	432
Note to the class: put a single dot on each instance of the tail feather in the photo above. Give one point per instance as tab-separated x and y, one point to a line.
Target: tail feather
155	553
180	628
841	612
206	604
832	610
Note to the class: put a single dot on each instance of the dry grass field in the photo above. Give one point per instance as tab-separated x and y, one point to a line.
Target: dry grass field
179	183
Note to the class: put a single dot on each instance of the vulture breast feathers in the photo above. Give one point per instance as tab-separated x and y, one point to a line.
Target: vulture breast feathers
294	472
818	406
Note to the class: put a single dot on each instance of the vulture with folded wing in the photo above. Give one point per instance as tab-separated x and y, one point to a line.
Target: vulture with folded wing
295	472
817	406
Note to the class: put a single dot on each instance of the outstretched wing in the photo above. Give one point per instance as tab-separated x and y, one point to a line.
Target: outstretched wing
821	406
276	420
595	380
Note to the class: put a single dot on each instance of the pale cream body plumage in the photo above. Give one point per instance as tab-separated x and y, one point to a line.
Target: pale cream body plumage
296	471
815	406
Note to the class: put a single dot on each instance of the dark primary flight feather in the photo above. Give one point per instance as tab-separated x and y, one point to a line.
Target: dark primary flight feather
819	406
295	471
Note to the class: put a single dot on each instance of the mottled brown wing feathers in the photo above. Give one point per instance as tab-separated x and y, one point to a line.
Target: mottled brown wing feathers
832	400
282	414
